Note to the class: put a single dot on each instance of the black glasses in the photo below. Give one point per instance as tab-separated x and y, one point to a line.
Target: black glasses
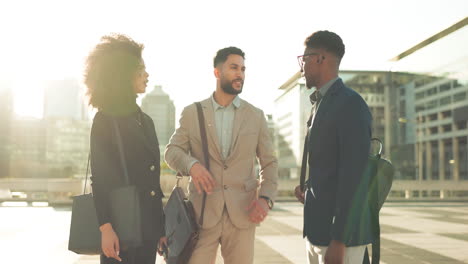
300	58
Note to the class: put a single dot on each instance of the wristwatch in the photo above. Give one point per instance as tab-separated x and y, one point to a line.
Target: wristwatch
268	200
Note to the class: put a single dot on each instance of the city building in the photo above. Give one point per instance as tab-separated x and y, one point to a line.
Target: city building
271	128
67	147
292	109
64	99
27	151
57	145
433	110
6	116
420	112
67	128
159	106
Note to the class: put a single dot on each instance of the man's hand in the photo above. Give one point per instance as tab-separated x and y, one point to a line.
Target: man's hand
335	252
202	179
109	242
299	194
258	210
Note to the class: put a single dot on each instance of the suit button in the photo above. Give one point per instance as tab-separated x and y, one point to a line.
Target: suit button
225	187
152	168
225	166
152	193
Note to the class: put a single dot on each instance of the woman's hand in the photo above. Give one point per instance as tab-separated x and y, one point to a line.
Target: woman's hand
109	242
162	245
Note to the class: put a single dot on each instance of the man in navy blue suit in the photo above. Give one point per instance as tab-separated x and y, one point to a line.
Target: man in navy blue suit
336	213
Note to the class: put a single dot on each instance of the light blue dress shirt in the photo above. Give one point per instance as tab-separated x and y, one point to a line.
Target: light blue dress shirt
224	122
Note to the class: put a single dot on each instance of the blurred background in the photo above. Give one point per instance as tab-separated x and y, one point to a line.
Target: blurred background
408	60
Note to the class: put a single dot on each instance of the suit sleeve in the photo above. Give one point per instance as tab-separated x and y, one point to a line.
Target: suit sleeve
103	166
268	162
354	135
177	151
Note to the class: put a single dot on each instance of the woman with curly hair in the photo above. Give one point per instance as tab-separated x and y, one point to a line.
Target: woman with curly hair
115	74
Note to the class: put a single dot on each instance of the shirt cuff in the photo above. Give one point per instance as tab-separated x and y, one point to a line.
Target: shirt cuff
190	165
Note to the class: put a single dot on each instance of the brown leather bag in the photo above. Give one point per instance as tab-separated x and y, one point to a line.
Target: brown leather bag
182	230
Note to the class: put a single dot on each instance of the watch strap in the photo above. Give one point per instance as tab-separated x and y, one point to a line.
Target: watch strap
269	201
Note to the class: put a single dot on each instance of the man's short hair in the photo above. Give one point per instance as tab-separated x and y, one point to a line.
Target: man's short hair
328	41
222	55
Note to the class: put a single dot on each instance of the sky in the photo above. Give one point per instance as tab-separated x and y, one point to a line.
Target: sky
49	40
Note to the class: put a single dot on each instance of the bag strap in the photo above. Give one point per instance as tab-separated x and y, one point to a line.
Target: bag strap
121	152
305	153
373	201
87	173
204	141
376	229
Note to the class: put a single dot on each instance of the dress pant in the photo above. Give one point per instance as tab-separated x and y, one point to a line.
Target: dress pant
145	254
237	245
316	254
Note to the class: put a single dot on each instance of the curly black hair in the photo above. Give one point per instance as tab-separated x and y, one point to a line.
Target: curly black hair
110	71
222	54
328	41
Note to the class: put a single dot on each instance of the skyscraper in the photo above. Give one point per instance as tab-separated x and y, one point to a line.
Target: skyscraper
159	106
6	114
67	128
28	145
64	99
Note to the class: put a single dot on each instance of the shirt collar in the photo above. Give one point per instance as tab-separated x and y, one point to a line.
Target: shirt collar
236	102
320	93
324	89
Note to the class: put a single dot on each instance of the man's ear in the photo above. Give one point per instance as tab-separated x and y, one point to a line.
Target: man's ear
216	73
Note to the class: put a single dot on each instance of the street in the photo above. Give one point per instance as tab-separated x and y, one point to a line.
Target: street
411	233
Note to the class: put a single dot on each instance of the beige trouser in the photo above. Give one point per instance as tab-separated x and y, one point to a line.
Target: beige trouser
237	245
316	254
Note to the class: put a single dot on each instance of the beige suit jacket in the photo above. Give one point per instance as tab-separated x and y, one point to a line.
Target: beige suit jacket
236	177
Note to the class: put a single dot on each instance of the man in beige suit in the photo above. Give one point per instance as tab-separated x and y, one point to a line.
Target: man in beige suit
237	134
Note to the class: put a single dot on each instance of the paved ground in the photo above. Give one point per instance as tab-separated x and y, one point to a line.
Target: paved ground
411	233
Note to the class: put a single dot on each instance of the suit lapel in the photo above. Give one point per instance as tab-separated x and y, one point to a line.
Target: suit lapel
325	106
138	131
238	121
208	112
326	103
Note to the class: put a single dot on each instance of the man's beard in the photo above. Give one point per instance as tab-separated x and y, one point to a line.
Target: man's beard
227	87
309	83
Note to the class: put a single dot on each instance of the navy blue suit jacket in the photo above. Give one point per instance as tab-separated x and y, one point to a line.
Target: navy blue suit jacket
336	206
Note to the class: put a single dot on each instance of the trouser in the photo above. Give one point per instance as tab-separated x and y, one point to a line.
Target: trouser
237	245
145	254
316	254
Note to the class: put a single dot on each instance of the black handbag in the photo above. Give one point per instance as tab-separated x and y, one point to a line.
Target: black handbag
182	230
85	237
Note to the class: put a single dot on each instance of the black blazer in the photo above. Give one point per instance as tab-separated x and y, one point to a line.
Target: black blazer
141	150
336	205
